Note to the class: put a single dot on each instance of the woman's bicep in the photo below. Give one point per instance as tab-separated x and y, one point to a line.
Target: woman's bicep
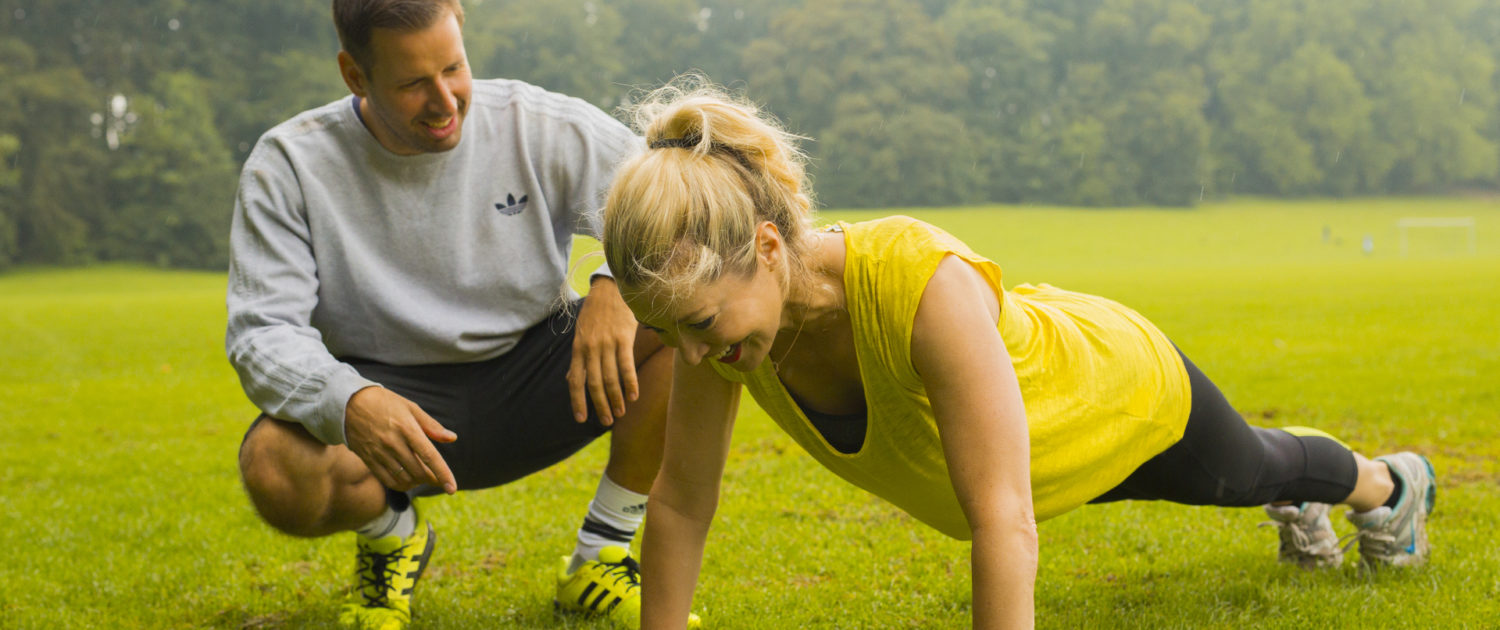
975	395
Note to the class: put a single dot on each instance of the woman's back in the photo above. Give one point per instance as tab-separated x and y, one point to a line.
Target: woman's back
1104	390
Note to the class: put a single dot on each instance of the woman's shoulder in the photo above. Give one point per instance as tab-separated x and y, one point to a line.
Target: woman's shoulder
890	260
900	239
886	227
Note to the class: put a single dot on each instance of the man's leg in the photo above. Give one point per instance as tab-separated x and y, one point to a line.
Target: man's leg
304	487
601	577
636	446
635	450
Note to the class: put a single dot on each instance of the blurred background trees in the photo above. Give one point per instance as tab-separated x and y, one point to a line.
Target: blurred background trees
123	122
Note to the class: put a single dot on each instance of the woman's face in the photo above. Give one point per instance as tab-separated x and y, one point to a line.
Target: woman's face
733	320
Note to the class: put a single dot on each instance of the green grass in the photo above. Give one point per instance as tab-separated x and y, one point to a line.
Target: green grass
121	419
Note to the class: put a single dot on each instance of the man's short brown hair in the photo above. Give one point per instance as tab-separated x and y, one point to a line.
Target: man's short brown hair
357	19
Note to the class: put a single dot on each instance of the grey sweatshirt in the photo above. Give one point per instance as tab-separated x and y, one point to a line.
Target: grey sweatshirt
341	249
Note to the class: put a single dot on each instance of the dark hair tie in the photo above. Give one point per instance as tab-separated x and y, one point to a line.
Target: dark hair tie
677	143
691	142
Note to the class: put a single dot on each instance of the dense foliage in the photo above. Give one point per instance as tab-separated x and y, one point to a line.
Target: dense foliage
122	122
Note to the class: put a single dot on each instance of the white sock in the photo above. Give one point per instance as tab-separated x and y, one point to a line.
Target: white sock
614	515
390	522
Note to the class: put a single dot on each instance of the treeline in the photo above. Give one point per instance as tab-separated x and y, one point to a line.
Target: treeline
123	122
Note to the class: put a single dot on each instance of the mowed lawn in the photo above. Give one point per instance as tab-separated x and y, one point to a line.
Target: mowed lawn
120	418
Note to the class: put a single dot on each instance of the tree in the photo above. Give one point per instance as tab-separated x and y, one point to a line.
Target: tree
1358	97
56	167
567	47
8	178
861	73
663	36
728	27
1011	82
1434	103
173	182
918	156
15	57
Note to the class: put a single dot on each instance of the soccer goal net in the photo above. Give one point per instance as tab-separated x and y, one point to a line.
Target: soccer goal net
1451	225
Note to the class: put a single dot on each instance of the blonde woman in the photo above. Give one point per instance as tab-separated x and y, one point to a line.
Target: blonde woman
891	352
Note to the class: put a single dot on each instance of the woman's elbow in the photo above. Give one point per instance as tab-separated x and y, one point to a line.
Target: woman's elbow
1016	525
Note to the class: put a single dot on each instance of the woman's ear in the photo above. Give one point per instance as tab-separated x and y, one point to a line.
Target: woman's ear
770	248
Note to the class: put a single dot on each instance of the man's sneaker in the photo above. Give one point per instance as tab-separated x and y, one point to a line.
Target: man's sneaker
1398	536
1307	537
608	587
388	569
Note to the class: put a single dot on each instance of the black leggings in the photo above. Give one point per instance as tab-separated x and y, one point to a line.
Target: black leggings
1221	460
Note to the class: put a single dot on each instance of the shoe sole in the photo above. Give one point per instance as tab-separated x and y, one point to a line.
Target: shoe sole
425	558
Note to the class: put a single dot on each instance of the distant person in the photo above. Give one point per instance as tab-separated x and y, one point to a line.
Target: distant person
890	351
397	311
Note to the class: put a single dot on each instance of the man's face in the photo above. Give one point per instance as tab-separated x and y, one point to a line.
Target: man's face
417	89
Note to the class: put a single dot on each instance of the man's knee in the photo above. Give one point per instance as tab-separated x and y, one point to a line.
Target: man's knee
273	488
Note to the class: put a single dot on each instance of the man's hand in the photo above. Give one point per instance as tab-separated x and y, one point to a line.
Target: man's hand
394	438
603	366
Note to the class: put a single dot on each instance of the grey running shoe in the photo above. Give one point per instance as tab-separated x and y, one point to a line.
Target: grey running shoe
1307	537
1398	537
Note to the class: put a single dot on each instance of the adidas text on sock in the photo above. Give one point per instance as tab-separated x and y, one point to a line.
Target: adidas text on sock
612	520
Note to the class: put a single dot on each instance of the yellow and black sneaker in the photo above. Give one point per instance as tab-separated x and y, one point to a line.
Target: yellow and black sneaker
608	587
388	569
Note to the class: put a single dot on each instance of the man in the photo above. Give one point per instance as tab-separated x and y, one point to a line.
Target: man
397	310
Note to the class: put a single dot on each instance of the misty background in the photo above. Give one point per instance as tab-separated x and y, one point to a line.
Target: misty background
123	123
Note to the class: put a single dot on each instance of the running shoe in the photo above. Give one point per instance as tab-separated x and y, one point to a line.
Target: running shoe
1307	537
387	570
1398	536
608	587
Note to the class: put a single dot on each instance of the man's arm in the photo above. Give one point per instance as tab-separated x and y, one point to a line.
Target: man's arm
603	367
273	284
283	365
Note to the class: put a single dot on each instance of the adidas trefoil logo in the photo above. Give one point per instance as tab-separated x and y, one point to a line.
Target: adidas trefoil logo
635	509
512	206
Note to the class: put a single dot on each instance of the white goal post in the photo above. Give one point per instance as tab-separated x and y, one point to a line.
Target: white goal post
1463	223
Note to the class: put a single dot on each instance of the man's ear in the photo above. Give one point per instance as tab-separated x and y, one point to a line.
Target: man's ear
354	76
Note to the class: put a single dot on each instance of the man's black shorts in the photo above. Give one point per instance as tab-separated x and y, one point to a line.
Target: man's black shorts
512	413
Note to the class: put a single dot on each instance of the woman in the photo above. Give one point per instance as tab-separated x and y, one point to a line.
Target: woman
891	352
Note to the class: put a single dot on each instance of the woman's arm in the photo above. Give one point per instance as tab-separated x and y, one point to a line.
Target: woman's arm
962	360
700	419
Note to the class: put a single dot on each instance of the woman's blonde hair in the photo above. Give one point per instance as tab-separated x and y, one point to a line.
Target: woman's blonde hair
685	211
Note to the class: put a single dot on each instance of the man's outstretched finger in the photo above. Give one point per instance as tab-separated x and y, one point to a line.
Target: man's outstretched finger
426	456
434	468
432	428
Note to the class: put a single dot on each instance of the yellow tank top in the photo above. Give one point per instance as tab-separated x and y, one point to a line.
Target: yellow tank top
1104	390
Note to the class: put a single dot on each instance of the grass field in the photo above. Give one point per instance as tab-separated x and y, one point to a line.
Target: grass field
121	418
